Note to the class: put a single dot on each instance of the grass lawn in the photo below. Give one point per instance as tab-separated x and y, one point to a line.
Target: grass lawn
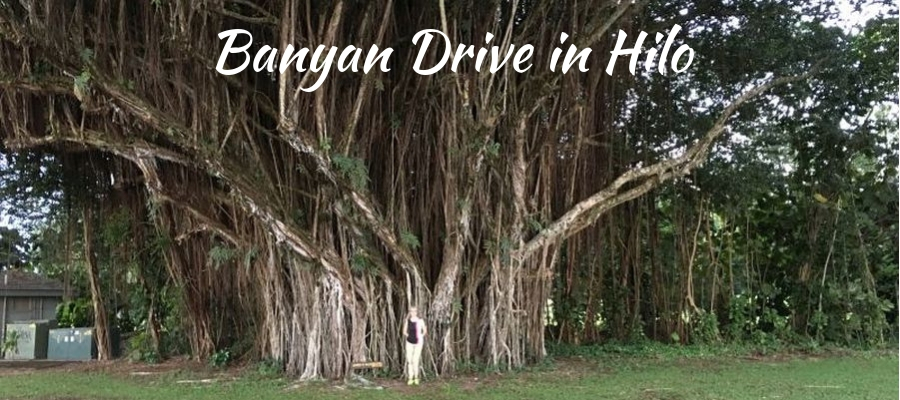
855	376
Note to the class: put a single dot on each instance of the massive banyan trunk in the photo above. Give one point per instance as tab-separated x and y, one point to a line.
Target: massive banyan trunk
342	207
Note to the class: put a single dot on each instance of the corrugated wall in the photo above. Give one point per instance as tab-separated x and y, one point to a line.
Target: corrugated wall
14	309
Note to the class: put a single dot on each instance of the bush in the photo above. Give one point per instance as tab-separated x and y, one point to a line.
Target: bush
854	316
220	359
705	328
270	367
140	349
76	313
740	318
11	343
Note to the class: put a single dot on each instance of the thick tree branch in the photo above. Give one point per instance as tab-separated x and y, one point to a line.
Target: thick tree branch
590	209
143	153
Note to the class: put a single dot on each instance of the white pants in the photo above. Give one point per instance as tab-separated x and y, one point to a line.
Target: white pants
413	355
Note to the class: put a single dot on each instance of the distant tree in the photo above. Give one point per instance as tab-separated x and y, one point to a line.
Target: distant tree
14	248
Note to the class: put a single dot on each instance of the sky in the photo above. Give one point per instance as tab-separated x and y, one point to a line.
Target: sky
849	18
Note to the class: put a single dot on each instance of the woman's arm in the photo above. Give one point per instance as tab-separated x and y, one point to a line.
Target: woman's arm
422	329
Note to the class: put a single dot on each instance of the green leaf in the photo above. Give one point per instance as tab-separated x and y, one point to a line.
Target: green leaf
410	240
325	144
86	55
493	149
359	263
220	255
83	80
353	169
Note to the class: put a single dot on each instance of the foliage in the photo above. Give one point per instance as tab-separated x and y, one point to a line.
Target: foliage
780	225
11	342
14	248
76	313
269	368
705	328
140	349
360	263
30	186
353	169
410	240
173	329
220	255
82	81
220	358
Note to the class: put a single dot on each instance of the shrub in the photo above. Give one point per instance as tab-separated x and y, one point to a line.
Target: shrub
705	328
140	349
11	343
75	313
270	367
220	359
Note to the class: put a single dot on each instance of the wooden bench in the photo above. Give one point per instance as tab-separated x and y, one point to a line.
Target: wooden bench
367	365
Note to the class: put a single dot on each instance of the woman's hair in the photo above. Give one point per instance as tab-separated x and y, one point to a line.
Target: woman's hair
408	315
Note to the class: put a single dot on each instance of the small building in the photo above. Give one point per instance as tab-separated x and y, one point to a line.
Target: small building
26	296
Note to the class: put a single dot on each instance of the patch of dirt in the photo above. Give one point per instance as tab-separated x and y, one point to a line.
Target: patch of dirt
577	367
119	367
16	367
126	367
661	394
797	355
47	398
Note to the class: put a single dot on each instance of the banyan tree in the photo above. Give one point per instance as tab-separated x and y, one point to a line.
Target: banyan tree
329	212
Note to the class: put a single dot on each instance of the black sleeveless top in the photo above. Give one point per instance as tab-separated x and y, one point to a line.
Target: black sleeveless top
412	334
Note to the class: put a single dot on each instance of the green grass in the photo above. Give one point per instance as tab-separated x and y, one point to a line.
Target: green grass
856	376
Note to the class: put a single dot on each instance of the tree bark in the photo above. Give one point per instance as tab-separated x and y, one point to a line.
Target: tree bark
101	324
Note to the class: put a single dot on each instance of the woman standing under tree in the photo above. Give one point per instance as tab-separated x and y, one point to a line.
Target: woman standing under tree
415	338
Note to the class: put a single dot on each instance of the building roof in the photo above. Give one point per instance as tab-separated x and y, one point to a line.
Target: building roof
16	282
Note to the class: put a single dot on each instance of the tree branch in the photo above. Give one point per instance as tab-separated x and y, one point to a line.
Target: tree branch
586	212
144	154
